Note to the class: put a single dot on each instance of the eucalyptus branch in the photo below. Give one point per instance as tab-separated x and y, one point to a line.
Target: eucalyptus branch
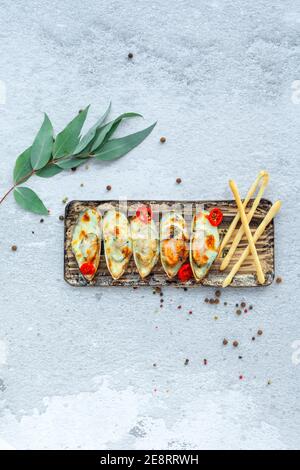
48	156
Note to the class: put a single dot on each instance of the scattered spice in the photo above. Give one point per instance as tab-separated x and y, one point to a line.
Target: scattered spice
108	187
218	293
211	301
154	365
179	307
205	362
245	311
217	301
240	357
186	362
206	300
14	248
253	338
41	221
278	280
236	305
260	332
225	342
241	377
162	140
61	218
190	312
216	318
74	169
161	294
130	55
225	303
185	289
251	307
269	382
65	200
81	185
161	301
235	344
239	312
178	180
243	305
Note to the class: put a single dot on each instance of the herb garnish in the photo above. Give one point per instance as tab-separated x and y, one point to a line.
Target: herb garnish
48	155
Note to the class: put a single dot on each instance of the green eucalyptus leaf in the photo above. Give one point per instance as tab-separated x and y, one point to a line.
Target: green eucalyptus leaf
23	168
72	162
106	131
29	200
89	136
42	145
67	140
116	148
48	171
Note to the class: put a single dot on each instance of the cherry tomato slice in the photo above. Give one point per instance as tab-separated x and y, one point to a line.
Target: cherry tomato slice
215	217
185	272
87	269
144	213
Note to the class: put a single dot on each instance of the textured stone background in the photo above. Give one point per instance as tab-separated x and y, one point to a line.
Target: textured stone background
76	366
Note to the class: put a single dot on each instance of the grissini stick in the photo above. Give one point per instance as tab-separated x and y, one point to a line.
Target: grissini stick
239	235
237	217
260	230
234	189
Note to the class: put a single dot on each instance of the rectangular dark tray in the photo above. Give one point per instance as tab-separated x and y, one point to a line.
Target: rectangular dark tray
246	277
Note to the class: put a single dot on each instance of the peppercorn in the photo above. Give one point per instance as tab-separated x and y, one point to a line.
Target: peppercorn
218	293
14	248
42	221
178	180
185	289
161	294
278	280
260	332
186	362
243	305
225	342
61	218
162	140
217	301
253	338
239	312
179	307
74	169
251	307
65	200
236	305
235	344
205	362
211	301
190	312
108	187
130	55
225	303
206	300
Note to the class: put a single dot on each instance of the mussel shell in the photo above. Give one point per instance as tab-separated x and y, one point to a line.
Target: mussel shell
86	240
117	242
145	242
174	242
204	245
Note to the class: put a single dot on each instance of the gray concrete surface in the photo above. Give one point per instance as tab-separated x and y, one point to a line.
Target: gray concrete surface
76	366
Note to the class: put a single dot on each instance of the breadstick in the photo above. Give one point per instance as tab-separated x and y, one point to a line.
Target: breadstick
234	189
237	217
260	230
240	233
